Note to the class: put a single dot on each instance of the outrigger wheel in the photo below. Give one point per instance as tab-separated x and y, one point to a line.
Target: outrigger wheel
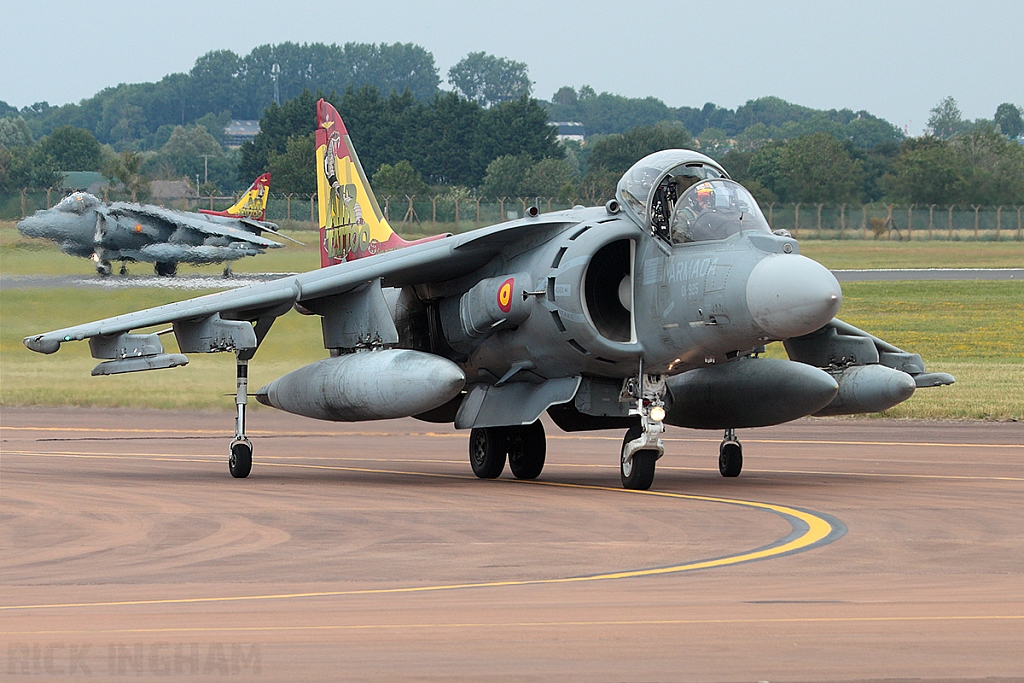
240	460
730	455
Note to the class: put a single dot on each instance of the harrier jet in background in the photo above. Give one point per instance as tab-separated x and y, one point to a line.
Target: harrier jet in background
84	226
651	310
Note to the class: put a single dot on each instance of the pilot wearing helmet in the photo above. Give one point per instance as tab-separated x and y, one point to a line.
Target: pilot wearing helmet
665	199
704	198
695	212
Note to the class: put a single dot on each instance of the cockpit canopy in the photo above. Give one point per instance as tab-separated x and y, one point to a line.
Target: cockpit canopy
657	189
642	190
714	210
77	202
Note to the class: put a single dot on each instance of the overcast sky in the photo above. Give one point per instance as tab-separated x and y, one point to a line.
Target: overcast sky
894	59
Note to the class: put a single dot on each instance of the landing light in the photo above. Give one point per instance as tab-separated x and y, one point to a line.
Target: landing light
657	413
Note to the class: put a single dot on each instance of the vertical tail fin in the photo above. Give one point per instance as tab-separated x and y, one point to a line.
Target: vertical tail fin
253	204
351	223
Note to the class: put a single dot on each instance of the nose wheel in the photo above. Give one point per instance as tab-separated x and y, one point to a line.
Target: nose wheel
730	455
637	469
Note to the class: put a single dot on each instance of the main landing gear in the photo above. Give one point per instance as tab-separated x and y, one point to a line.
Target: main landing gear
240	460
166	268
523	445
730	455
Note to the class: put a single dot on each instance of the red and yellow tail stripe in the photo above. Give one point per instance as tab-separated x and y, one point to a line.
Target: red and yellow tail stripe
351	223
252	204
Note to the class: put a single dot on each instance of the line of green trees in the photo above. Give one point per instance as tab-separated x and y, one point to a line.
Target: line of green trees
957	162
448	139
191	151
451	144
488	136
750	125
224	85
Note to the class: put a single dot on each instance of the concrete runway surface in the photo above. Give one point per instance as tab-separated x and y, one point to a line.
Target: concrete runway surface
847	550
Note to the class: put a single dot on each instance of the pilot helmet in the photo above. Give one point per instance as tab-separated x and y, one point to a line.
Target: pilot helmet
705	195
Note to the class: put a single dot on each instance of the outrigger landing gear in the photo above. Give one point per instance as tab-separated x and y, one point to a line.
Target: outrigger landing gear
730	455
642	445
240	460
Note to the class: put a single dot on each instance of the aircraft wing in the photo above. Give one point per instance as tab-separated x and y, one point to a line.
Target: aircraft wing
266	226
424	263
196	222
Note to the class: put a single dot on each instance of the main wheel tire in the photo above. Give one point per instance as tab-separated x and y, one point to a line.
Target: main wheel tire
638	473
487	449
103	269
730	458
527	449
240	460
166	269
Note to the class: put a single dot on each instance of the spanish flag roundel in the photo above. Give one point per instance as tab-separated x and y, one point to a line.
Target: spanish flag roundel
505	295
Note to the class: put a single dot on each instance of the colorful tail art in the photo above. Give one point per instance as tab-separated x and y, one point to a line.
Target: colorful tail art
253	203
351	223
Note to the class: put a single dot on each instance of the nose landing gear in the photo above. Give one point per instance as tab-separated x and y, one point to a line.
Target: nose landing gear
642	445
637	469
730	455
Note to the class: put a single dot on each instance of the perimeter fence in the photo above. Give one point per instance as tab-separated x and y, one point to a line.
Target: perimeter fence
446	213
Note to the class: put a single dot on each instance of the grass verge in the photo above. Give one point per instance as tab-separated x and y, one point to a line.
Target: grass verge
25	256
970	329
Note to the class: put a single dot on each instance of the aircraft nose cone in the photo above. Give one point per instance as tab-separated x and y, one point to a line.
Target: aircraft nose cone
32	226
791	295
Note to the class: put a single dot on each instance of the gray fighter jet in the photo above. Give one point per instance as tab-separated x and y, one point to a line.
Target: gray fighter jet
84	226
652	310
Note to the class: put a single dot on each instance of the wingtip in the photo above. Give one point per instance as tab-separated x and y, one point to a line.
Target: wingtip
40	343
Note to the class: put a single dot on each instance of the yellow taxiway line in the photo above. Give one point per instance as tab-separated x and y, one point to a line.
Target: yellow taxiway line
809	530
